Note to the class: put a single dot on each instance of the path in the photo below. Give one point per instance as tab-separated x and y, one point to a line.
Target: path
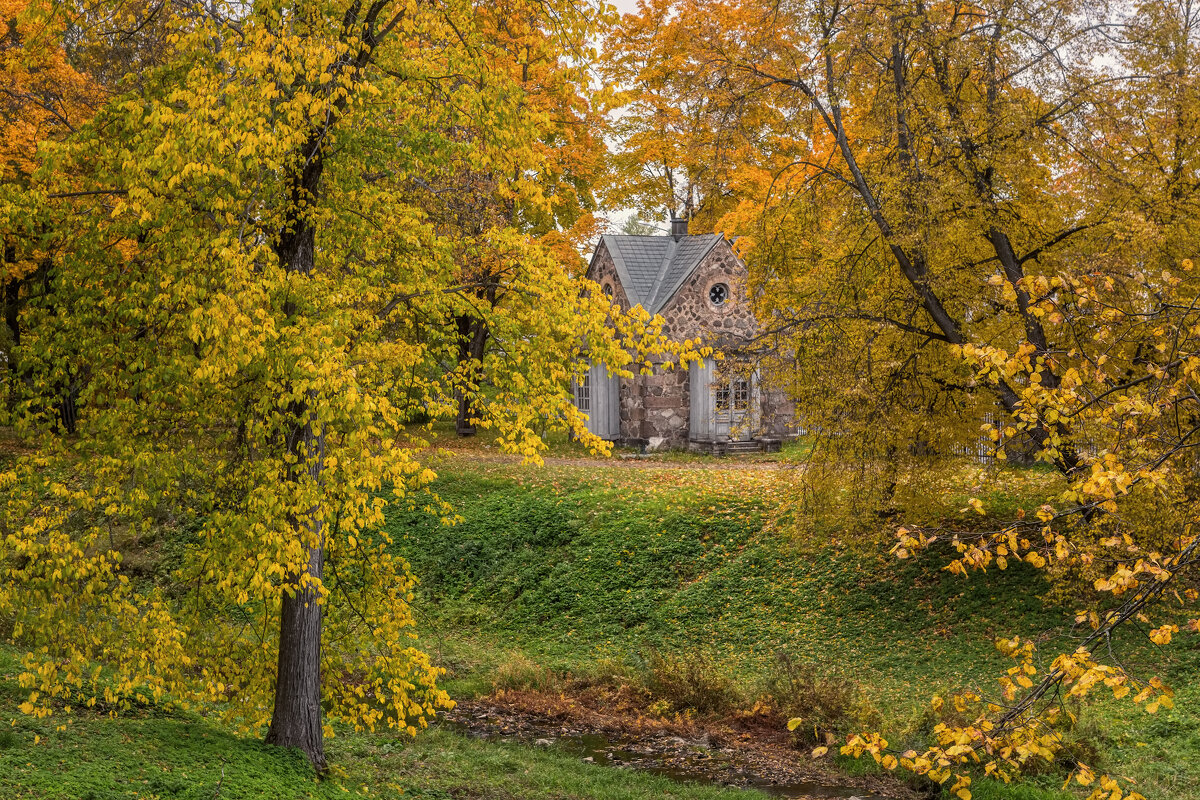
626	461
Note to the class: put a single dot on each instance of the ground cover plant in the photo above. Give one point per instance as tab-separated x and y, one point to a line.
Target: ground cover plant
150	754
704	572
701	589
252	252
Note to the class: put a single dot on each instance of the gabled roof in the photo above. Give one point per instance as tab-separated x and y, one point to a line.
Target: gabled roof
652	268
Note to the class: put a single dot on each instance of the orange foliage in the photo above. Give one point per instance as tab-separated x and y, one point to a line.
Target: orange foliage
44	98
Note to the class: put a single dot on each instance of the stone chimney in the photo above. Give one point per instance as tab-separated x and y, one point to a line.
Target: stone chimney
678	228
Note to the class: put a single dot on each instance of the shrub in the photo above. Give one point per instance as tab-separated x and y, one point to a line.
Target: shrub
828	706
690	681
517	672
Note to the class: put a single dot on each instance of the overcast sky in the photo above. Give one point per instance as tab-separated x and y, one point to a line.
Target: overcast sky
619	216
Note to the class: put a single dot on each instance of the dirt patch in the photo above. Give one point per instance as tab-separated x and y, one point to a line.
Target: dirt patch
489	455
745	751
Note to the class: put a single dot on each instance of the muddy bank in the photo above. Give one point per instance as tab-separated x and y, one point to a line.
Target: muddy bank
730	752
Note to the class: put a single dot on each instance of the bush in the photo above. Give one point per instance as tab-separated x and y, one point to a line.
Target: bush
517	672
690	681
828	706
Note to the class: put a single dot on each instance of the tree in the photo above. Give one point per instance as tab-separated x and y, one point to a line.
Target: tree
972	208
841	200
264	311
557	123
635	227
665	126
44	99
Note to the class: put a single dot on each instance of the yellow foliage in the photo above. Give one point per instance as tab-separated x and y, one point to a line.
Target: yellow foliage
260	313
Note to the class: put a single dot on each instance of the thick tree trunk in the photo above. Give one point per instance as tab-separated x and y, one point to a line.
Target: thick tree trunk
296	721
463	426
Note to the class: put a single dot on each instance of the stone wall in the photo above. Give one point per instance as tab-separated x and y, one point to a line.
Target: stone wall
664	401
603	272
778	415
690	313
655	408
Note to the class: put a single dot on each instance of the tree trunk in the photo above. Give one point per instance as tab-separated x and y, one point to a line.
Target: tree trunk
12	310
473	335
12	291
462	422
296	721
67	407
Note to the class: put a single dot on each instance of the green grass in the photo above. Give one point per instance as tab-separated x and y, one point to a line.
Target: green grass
581	569
573	572
575	566
184	757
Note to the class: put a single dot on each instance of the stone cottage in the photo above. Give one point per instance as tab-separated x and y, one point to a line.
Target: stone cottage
698	285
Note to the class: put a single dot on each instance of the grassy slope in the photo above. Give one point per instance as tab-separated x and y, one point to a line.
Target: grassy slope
575	571
571	565
183	757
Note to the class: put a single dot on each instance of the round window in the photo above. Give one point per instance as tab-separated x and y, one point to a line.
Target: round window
608	290
718	294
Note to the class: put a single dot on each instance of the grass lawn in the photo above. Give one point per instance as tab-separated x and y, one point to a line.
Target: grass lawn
578	569
574	566
181	756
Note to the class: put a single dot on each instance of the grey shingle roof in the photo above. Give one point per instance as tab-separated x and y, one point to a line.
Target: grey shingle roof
652	268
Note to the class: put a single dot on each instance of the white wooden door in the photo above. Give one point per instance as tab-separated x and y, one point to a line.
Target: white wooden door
598	394
722	405
732	403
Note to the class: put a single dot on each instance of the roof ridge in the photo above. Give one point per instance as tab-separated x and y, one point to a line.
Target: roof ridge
651	269
663	269
660	302
622	270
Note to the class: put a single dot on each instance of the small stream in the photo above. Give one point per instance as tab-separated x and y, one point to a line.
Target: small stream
657	753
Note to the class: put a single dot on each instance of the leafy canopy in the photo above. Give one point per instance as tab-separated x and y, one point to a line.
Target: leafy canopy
255	309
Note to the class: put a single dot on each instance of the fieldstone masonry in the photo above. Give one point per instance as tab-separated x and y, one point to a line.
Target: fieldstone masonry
674	276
